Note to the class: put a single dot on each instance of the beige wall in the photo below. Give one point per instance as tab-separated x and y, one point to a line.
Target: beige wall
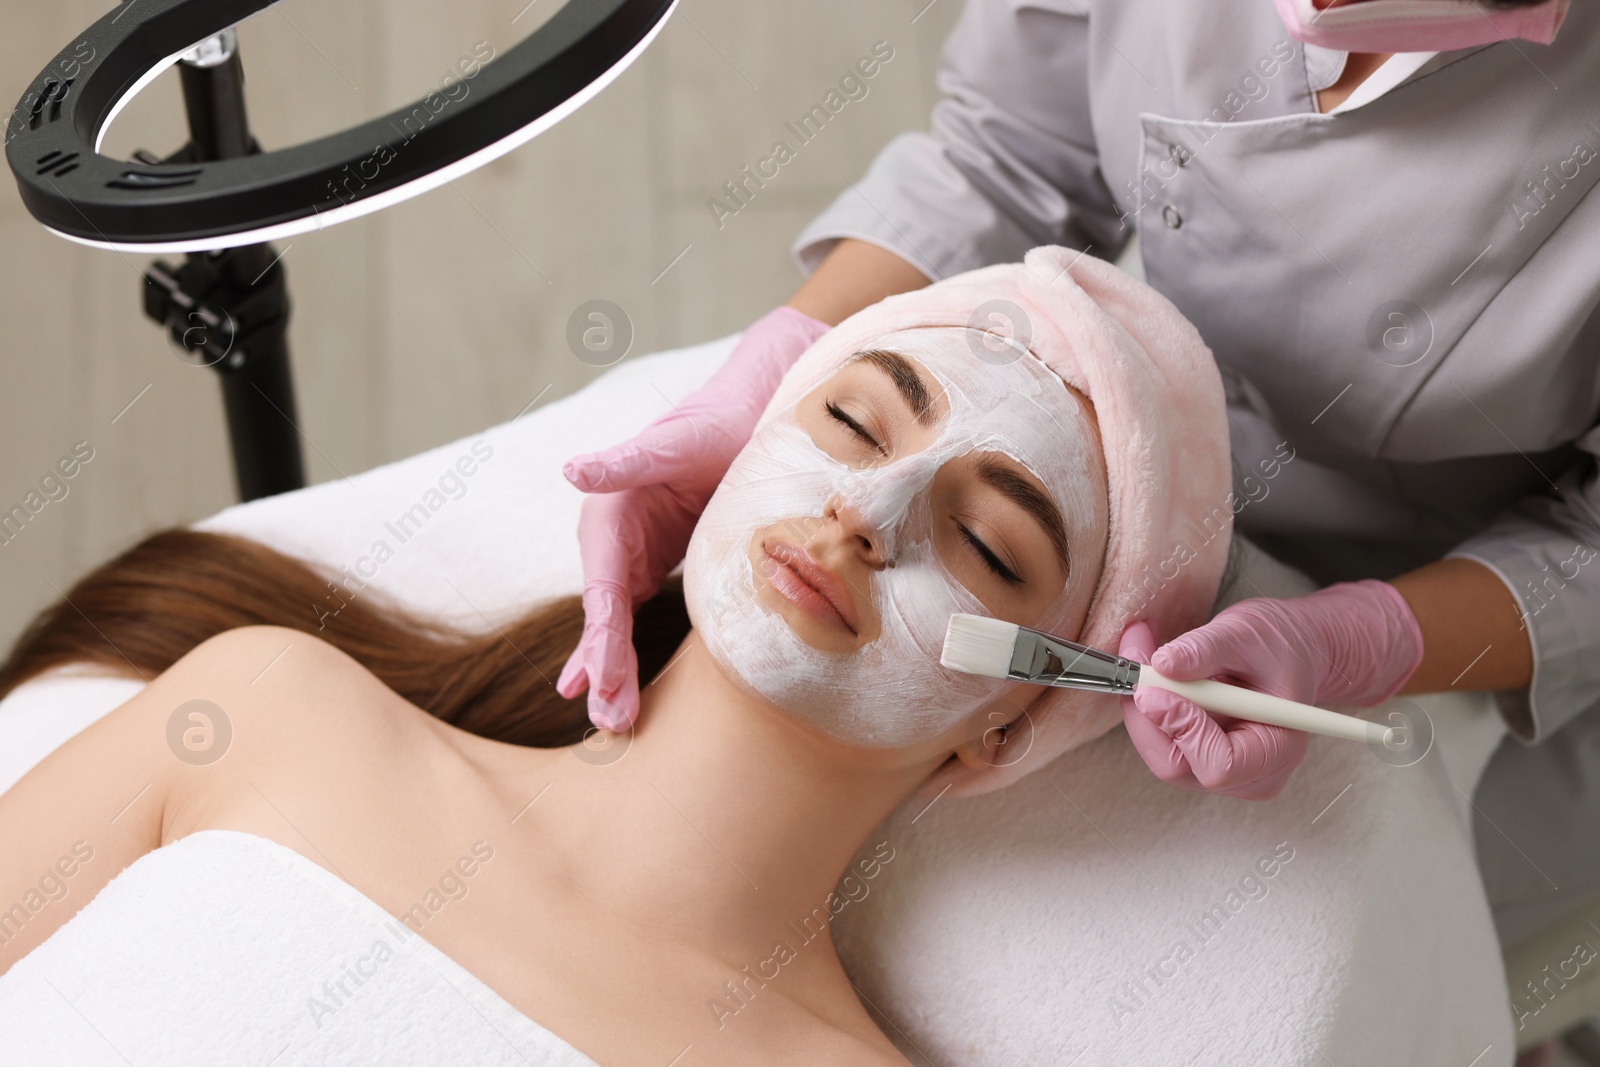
447	313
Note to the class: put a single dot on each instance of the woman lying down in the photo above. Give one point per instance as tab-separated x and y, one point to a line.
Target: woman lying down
386	843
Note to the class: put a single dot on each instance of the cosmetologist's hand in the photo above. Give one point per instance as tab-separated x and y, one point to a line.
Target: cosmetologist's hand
648	493
1351	644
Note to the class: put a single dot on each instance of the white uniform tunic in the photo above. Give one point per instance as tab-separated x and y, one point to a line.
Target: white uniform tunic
1402	294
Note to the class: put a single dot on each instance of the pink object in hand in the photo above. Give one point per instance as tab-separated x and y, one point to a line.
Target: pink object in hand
1351	644
1418	25
648	495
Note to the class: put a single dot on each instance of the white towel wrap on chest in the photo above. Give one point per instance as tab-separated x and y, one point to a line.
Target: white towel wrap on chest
225	947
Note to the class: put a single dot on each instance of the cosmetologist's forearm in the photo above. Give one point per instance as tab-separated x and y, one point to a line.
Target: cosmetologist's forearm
1473	636
853	275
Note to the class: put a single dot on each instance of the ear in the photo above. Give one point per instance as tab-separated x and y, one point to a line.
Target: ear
999	734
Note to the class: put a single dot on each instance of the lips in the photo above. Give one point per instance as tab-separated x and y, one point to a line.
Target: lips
798	578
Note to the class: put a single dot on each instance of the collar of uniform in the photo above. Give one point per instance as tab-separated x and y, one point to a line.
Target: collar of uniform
1325	65
1396	71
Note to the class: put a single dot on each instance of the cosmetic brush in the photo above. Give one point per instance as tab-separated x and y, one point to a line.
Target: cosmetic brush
974	644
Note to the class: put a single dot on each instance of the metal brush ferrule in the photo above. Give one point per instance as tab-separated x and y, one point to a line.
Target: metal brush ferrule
1040	659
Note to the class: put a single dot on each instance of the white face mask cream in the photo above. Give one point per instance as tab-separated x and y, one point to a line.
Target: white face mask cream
891	691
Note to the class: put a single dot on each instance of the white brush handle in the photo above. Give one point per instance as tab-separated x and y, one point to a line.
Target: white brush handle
1234	700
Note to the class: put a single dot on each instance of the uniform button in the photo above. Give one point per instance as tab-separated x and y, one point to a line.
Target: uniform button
1179	154
1170	216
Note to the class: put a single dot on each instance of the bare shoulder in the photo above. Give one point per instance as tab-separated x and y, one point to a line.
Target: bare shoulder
277	670
117	788
273	693
271	717
262	729
250	652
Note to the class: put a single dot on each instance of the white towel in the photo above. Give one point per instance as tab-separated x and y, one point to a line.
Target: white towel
39	716
1006	924
227	948
1041	924
501	542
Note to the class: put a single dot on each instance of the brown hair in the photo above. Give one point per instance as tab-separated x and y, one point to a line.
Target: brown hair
143	610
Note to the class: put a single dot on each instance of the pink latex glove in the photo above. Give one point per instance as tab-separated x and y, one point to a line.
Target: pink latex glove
648	495
1351	644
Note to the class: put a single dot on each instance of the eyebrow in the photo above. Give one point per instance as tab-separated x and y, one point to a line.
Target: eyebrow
1026	496
906	380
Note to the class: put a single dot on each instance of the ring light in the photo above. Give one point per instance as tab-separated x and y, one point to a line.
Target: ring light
53	139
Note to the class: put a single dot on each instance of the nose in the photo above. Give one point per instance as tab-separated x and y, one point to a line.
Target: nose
875	503
872	544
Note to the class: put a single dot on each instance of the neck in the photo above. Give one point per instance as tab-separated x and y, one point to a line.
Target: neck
724	817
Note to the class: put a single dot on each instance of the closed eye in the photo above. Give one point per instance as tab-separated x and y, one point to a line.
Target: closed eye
992	561
842	416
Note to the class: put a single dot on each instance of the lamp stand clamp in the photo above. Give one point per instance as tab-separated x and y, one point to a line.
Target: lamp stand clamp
227	312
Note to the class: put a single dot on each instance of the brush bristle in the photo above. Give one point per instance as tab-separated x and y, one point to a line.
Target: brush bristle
974	644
